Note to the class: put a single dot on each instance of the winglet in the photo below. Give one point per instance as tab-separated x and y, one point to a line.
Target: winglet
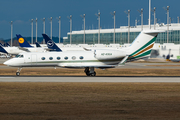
51	44
22	42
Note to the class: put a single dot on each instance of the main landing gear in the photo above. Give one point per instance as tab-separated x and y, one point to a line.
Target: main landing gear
18	71
91	72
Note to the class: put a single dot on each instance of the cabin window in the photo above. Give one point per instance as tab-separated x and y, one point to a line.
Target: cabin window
58	58
21	56
50	58
43	58
81	57
73	57
172	55
164	56
66	58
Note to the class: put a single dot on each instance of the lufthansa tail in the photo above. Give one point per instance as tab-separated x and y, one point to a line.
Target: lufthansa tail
22	42
3	50
37	44
51	44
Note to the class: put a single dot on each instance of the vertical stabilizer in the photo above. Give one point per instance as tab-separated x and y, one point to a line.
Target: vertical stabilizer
37	44
51	44
22	42
142	45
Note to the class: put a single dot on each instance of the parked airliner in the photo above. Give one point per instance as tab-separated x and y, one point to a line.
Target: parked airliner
26	47
90	59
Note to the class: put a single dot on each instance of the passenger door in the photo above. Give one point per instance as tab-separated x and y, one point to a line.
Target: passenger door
33	59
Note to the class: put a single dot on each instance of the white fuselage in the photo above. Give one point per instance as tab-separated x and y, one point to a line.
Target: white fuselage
97	58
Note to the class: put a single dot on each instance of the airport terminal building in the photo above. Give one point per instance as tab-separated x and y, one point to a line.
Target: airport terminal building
121	35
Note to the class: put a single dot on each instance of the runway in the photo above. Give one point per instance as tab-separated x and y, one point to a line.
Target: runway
76	79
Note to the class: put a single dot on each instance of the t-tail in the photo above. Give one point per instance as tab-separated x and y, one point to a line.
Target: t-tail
142	45
22	42
51	44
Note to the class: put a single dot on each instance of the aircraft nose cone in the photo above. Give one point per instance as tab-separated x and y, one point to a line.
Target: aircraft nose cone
6	63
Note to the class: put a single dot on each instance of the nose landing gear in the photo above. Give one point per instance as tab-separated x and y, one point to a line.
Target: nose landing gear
91	72
18	71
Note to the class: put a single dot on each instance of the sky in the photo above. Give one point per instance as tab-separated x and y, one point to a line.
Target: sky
22	11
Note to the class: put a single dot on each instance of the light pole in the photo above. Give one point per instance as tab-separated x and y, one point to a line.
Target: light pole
136	21
43	29
149	14
31	31
154	18
128	22
167	9
11	32
36	29
70	18
59	29
51	26
84	27
114	25
141	18
98	15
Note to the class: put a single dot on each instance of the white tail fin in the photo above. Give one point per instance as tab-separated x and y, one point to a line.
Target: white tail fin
142	45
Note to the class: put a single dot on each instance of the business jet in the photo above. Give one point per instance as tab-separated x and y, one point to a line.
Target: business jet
90	59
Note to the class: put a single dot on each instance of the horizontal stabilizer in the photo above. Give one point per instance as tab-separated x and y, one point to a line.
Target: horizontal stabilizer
24	49
86	49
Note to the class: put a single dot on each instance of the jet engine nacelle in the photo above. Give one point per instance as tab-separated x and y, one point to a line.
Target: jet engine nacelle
108	54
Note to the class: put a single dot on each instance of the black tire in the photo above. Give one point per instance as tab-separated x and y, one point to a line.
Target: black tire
94	73
17	73
88	74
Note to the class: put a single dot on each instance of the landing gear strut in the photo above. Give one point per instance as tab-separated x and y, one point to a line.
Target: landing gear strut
91	72
18	71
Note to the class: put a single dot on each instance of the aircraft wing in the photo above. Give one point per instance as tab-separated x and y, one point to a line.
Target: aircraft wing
24	49
124	60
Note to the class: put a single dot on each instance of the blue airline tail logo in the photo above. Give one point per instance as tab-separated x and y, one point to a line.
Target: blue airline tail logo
22	41
51	44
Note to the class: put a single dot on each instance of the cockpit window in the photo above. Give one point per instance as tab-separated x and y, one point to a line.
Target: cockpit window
19	56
